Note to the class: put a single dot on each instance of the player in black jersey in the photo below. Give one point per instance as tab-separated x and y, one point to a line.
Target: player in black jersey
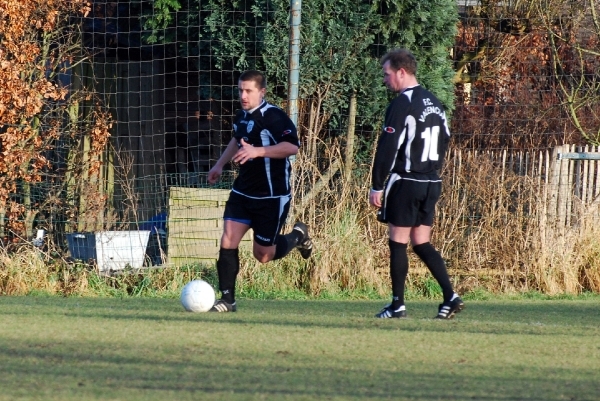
410	152
264	138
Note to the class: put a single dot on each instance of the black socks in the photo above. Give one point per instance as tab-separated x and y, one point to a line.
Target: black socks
398	272
436	266
285	243
228	267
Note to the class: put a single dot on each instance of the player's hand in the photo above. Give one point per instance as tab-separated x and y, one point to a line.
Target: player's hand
245	153
375	198
214	174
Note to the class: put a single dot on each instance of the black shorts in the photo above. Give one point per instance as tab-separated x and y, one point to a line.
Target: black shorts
409	201
265	216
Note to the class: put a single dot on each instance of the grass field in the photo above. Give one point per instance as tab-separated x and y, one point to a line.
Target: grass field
54	348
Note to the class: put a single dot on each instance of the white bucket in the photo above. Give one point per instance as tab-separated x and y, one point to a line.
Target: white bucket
116	250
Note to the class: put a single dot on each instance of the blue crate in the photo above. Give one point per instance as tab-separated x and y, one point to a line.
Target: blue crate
82	246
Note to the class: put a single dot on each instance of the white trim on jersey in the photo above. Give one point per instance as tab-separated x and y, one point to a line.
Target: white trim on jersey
267	107
416	180
408	93
446	124
259	197
287	173
400	142
282	202
410	125
266	137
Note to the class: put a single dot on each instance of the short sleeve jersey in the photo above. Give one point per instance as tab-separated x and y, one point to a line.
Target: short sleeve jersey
264	177
415	136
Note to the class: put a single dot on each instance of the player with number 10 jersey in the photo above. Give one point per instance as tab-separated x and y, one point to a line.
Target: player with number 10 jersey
411	147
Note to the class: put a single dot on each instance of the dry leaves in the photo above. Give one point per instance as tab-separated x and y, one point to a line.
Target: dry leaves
36	43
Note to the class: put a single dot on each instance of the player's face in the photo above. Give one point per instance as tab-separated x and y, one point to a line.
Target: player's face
251	96
394	80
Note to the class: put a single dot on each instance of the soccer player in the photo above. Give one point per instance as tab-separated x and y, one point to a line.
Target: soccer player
410	152
264	138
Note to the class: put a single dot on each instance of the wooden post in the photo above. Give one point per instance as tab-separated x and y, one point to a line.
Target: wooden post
568	191
597	186
554	185
585	165
350	133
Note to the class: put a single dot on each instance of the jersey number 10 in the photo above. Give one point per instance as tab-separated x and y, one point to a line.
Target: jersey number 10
430	146
430	139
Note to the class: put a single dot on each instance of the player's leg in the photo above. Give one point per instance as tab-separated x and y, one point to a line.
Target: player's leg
304	243
435	263
228	264
420	239
398	271
269	217
399	226
283	245
235	226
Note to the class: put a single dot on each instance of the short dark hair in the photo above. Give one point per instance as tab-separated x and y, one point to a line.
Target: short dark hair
256	76
401	58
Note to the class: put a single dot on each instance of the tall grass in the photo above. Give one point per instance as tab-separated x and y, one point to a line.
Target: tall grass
30	271
492	228
497	233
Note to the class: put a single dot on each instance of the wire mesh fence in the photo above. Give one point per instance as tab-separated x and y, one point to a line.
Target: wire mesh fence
516	77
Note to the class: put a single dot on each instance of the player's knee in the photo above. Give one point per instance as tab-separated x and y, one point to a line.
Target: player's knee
262	256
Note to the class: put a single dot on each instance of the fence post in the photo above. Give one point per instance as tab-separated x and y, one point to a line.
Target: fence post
348	159
554	180
294	59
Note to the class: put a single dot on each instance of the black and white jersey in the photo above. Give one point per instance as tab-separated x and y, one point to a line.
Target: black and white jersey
264	177
414	139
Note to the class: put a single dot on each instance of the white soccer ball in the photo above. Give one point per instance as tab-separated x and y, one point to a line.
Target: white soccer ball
197	296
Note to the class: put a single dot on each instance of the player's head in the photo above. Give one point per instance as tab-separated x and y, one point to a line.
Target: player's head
252	86
399	69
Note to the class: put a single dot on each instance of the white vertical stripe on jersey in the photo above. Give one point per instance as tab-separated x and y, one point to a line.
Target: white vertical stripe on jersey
411	128
264	137
287	173
283	200
411	133
393	178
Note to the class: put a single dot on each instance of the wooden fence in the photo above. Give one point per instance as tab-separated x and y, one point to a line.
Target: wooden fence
564	184
567	177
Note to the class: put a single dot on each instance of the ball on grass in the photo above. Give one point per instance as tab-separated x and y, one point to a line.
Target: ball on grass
197	296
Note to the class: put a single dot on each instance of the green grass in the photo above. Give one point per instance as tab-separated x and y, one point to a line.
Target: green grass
54	348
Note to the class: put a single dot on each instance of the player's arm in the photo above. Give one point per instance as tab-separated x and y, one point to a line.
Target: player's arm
446	135
387	146
279	151
384	159
443	141
226	157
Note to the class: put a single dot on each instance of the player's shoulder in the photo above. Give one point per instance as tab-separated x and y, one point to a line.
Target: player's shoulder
424	94
273	114
269	109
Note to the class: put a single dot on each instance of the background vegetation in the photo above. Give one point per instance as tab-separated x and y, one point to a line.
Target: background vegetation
518	76
53	129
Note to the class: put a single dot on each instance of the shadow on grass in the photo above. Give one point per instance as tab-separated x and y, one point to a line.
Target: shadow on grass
132	374
526	317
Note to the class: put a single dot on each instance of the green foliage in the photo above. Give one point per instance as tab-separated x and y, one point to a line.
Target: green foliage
341	43
423	287
428	29
162	17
